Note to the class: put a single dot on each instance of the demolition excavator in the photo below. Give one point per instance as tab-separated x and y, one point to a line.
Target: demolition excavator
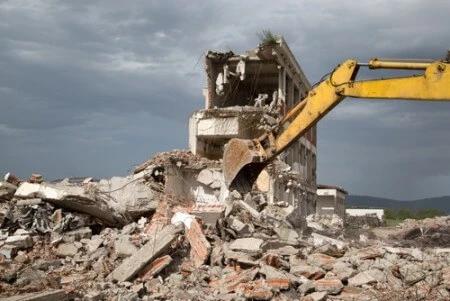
243	159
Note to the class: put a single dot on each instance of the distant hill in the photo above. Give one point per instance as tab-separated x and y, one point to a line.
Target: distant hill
364	201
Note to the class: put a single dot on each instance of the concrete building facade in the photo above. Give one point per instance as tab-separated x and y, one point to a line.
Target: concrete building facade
331	200
246	95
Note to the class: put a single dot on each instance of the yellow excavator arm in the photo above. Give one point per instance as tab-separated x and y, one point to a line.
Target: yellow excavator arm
243	160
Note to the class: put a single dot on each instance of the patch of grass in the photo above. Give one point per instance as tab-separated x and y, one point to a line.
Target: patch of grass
393	222
267	38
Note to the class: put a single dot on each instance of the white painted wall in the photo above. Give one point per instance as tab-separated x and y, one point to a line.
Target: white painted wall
362	212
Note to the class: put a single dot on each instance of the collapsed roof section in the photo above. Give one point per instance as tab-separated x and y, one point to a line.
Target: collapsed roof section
266	74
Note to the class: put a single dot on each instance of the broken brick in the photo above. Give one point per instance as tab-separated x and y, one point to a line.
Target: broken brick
255	290
155	267
200	247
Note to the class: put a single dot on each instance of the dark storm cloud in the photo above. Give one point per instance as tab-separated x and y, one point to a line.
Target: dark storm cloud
90	88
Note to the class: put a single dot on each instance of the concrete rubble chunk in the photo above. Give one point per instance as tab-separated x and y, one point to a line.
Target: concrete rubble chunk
94	243
155	267
321	260
52	295
272	273
152	249
77	235
370	253
200	247
240	227
253	212
206	177
310	272
319	240
343	270
7	191
20	241
412	273
250	245
286	234
8	251
255	290
414	253
209	213
331	286
66	249
123	246
367	277
316	296
229	282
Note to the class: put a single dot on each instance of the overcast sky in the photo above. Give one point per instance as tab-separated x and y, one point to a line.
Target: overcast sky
91	88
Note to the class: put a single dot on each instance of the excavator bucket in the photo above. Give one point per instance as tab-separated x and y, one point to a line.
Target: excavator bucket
242	163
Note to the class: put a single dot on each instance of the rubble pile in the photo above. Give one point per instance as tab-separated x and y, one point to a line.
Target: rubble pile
126	239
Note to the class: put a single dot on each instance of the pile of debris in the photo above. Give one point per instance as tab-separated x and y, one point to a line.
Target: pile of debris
127	239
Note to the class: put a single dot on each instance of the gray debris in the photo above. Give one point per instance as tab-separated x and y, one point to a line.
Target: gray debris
249	245
20	241
133	264
66	249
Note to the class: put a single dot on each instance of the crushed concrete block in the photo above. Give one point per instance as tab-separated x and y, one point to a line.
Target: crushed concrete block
353	293
255	290
230	281
205	176
284	251
28	202
94	296
240	227
77	235
370	253
412	273
94	243
152	249
321	260
253	212
239	257
306	287
250	245
331	286
66	249
272	273
200	247
209	213
7	191
316	296
8	251
310	272
155	267
343	270
20	241
124	247
415	253
287	234
367	277
52	295
5	211
319	240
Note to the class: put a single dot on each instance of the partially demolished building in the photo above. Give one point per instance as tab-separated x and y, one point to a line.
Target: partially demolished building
246	95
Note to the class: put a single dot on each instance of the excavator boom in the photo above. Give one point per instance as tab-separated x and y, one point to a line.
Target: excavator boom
243	159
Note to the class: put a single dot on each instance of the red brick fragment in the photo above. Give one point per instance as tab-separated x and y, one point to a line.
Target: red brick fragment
257	289
200	247
278	283
155	267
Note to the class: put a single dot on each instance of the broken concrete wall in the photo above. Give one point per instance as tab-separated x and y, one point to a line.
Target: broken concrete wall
210	130
247	94
201	186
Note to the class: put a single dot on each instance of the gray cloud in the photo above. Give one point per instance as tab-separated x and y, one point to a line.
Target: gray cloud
90	88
